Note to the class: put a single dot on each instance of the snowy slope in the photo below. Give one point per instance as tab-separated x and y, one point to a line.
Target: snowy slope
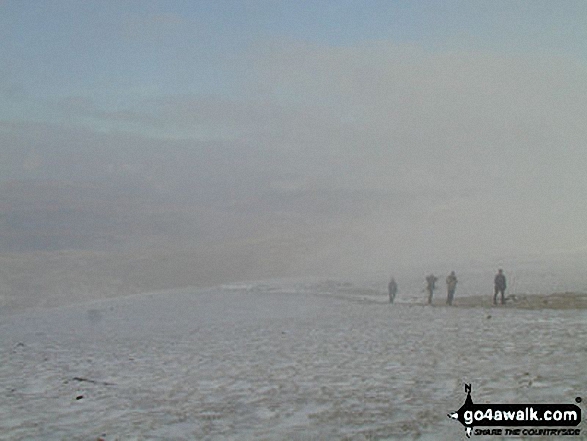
276	362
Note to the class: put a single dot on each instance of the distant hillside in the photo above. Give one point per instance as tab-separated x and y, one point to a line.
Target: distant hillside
63	241
56	215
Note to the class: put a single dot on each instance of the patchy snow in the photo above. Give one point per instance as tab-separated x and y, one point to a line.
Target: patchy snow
276	361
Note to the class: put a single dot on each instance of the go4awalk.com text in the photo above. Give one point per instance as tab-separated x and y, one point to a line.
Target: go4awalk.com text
518	419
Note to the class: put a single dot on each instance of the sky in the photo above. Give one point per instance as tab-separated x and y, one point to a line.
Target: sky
459	124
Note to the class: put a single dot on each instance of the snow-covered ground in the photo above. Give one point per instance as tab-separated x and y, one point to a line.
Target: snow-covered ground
276	361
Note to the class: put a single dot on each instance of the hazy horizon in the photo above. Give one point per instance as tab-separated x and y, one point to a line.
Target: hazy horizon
288	138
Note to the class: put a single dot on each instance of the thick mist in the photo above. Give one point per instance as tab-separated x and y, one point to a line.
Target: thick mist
308	159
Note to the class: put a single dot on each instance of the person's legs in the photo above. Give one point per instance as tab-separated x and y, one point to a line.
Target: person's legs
495	295
451	294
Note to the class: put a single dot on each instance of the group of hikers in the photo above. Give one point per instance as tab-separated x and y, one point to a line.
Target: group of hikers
451	286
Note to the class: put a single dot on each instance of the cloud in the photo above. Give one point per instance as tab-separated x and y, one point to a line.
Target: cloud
383	115
424	155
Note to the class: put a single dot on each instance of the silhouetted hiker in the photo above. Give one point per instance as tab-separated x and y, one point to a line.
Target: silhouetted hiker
430	281
500	286
392	288
451	286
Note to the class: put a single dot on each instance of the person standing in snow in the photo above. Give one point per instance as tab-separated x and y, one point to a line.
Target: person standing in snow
451	286
500	286
430	282
392	289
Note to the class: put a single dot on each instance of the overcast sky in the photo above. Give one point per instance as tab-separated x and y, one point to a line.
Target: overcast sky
463	122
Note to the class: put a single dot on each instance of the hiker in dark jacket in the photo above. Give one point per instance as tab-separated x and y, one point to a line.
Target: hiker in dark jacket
500	286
